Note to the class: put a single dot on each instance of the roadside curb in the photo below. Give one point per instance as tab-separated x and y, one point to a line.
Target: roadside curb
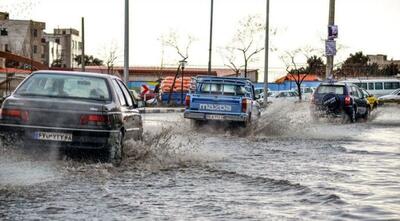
151	110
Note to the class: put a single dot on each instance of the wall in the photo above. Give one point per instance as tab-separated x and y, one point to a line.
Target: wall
287	85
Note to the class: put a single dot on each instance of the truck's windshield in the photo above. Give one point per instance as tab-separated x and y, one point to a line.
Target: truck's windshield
226	89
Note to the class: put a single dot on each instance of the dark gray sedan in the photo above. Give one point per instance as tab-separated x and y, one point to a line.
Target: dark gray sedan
73	110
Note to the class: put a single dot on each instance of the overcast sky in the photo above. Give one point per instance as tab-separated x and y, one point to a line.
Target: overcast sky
370	26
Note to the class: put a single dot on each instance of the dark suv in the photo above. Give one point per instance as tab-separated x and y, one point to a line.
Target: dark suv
335	99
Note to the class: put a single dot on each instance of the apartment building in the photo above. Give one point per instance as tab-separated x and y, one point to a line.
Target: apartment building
22	37
381	60
66	42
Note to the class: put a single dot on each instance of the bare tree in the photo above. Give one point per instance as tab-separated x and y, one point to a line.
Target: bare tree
229	55
248	39
111	55
173	40
298	71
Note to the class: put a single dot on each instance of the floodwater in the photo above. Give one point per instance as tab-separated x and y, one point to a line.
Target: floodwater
285	168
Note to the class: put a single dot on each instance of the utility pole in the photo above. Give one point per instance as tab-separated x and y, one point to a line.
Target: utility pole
126	43
211	33
329	58
266	54
31	42
83	45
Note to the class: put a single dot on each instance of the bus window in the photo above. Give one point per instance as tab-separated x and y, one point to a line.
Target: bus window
363	85
371	86
391	85
378	86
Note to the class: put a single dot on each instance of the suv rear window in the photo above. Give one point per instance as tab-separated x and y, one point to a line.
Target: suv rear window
326	89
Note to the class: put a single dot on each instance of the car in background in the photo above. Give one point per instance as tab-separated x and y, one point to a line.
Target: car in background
306	92
260	97
338	99
393	97
372	100
72	110
284	96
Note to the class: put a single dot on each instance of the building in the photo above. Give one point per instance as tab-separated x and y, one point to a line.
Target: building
54	52
288	82
23	38
66	42
381	60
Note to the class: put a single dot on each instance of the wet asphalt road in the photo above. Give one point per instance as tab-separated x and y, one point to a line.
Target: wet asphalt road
285	168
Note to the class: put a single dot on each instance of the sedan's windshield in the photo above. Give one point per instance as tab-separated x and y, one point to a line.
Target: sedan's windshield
66	86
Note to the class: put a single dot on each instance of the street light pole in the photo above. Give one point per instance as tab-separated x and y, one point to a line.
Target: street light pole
331	22
211	33
83	45
126	43
266	54
183	68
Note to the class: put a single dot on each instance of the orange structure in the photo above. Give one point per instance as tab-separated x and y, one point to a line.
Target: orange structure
35	65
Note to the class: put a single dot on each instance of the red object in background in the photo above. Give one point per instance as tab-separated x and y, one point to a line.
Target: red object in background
146	94
144	90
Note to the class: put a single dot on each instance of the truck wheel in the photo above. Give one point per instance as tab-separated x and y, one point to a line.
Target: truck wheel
195	124
367	113
247	122
353	115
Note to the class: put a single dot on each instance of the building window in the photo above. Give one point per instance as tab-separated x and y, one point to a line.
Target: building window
35	33
3	32
57	40
64	32
6	48
35	49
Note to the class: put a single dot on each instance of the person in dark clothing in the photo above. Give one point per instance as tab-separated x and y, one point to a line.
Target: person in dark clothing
157	87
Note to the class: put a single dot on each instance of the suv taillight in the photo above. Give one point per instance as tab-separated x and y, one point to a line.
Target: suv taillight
347	100
187	101
244	105
94	119
15	113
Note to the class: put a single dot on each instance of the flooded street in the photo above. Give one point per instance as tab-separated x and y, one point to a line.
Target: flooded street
286	168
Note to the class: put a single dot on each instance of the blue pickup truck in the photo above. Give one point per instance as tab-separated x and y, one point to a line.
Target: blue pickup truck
229	99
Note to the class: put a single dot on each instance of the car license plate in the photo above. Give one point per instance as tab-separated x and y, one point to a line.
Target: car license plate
214	117
66	137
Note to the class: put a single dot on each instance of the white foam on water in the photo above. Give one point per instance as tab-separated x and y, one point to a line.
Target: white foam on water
293	119
168	147
25	173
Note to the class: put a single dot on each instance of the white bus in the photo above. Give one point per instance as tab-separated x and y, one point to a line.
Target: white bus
377	87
